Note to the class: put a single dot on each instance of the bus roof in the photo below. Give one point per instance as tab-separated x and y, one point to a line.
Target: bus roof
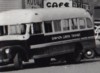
37	15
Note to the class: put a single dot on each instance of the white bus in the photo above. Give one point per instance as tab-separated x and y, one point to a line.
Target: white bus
42	34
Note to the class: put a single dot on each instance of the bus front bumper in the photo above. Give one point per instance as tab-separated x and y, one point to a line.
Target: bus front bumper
3	60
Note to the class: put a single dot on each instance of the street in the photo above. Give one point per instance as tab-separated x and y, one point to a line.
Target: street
86	66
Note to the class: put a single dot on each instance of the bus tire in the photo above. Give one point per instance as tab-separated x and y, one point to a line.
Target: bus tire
89	53
18	61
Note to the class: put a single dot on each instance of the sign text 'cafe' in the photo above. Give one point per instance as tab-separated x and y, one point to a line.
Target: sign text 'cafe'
57	3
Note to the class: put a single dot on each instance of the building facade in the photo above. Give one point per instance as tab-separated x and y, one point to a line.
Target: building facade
10	4
97	10
24	4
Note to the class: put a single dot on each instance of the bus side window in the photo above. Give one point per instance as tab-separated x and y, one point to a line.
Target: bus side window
48	26
6	30
81	23
37	28
22	28
31	29
89	23
57	25
73	23
65	25
3	30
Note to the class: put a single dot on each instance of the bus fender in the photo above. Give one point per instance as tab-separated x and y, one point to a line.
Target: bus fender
11	51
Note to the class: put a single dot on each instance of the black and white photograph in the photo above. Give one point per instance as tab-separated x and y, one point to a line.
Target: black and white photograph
49	36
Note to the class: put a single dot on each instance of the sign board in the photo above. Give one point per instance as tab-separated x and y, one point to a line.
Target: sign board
57	3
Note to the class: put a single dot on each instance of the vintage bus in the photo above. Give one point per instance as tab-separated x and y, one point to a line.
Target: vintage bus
42	34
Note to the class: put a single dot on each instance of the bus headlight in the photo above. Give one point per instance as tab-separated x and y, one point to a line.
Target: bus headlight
7	51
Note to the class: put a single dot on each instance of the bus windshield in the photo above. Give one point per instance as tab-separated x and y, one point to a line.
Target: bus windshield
13	29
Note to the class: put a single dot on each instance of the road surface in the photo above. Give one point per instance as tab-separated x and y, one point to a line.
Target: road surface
86	66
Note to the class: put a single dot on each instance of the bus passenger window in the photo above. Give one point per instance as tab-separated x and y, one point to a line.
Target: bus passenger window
89	23
37	27
3	30
31	29
57	25
74	24
6	30
81	23
23	28
17	29
48	26
65	25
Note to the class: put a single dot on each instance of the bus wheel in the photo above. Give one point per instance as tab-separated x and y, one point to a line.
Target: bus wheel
18	61
89	53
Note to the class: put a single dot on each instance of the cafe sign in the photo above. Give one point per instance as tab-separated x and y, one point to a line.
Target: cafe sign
57	3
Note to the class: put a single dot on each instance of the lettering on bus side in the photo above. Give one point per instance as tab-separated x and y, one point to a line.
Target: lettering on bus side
57	38
77	35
